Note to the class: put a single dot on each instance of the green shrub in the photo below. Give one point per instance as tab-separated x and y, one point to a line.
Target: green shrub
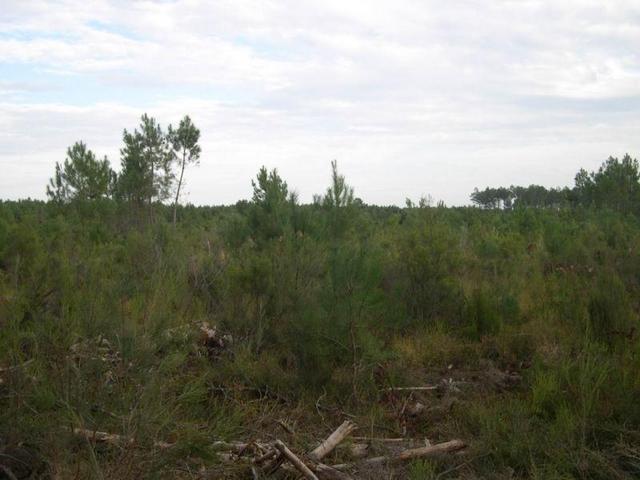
482	315
611	318
429	258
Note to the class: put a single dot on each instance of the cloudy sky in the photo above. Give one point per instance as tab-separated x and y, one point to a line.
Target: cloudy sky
412	98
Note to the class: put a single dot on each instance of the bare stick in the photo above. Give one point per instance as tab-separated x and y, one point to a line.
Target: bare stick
381	439
338	435
329	473
113	438
446	447
411	389
96	436
295	461
323	472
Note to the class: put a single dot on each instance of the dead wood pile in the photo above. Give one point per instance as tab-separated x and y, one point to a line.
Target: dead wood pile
266	458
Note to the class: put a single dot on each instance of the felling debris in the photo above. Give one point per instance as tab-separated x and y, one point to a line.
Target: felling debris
271	456
214	342
332	441
265	458
112	438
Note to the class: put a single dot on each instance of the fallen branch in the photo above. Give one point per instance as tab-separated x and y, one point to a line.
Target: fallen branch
338	435
446	447
382	439
329	473
269	456
113	438
411	389
295	461
102	437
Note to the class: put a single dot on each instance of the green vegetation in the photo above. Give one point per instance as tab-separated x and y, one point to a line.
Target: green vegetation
526	318
81	176
616	185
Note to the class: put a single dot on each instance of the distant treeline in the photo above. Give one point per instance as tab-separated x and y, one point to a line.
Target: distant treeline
153	163
615	185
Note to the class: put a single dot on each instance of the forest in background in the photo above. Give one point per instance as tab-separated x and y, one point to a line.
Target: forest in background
523	313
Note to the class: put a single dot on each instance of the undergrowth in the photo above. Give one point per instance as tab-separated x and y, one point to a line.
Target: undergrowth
533	314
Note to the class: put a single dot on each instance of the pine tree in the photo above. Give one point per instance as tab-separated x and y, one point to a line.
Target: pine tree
272	204
81	176
338	201
185	146
146	158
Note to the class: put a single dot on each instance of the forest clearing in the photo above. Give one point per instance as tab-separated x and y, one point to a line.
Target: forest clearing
163	341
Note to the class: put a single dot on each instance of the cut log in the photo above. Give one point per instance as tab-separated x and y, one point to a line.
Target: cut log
446	447
338	435
295	461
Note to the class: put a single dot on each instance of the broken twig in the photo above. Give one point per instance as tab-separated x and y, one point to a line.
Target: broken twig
294	460
446	447
338	435
411	389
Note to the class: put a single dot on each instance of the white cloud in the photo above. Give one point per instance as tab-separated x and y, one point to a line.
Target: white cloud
411	97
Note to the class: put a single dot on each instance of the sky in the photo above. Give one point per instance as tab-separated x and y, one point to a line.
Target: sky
411	98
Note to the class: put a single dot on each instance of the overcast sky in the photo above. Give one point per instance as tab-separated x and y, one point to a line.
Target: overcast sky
411	98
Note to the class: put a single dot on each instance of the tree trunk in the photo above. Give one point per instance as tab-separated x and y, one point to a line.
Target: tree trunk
150	193
175	203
